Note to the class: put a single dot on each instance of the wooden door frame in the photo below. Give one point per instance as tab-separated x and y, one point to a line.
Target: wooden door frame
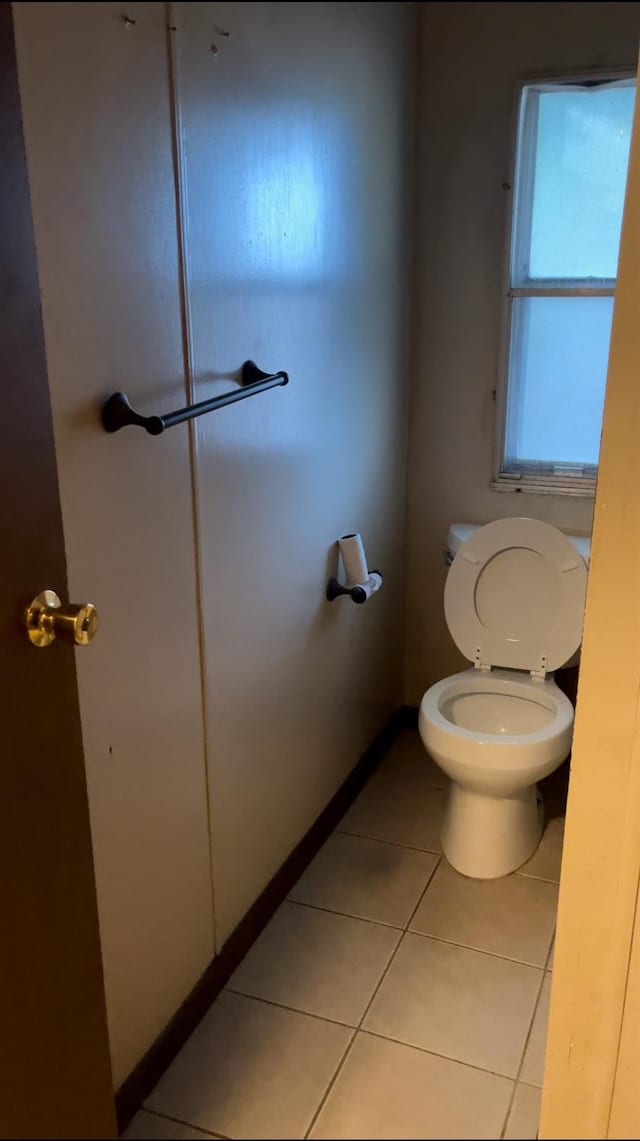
588	1045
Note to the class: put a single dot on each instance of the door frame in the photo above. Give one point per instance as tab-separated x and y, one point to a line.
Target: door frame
590	1090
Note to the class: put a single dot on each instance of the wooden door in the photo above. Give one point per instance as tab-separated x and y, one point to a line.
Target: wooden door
55	1076
591	1086
96	120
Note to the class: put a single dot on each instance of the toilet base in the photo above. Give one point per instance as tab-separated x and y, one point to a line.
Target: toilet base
486	837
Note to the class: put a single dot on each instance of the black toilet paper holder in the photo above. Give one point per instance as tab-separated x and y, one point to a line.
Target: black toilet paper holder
357	593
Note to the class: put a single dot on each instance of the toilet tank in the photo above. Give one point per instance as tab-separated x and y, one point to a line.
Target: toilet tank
458	534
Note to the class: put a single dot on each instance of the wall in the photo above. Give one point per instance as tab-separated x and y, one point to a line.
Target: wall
470	57
294	164
295	142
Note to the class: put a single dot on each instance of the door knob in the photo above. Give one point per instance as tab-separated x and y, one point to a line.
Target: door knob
47	618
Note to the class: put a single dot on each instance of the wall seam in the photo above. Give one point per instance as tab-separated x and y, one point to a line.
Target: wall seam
187	348
414	261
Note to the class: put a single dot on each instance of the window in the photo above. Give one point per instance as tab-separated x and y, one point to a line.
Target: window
570	175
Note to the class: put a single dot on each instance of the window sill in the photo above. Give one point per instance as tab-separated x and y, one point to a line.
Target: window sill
546	485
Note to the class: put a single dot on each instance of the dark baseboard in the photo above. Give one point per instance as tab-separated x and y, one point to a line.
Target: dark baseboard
137	1087
408	716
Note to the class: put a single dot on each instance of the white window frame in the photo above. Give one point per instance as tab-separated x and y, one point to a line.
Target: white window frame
563	481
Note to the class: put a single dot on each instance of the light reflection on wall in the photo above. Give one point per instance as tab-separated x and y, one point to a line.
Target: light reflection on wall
285	212
277	204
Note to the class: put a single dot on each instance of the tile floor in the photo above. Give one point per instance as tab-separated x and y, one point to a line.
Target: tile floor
388	996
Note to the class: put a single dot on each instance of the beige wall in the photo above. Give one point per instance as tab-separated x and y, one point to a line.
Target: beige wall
295	150
295	165
471	55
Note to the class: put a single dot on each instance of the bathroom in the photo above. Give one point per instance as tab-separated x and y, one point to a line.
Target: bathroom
325	189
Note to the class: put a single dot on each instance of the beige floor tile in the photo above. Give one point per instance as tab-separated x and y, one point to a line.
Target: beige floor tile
317	962
149	1127
514	916
388	1090
252	1070
533	1065
550	960
545	862
366	878
525	1114
466	1005
399	806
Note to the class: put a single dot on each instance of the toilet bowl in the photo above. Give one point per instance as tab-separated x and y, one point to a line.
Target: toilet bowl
514	603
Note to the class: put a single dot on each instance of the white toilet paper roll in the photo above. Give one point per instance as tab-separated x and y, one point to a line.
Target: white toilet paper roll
364	590
354	560
373	584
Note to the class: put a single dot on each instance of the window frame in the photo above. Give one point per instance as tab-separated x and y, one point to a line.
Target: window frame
561	481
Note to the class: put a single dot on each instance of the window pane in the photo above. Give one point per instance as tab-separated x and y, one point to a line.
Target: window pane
581	150
559	351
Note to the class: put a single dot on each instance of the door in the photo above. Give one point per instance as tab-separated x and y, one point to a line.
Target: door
591	1084
54	1056
96	119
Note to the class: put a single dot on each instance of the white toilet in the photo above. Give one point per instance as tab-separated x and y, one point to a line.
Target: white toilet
514	604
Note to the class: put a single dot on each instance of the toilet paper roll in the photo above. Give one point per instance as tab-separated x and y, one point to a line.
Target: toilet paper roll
364	590
354	560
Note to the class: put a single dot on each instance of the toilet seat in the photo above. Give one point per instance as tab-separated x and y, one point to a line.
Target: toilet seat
514	596
492	748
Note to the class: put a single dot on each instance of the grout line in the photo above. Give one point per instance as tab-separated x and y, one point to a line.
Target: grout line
332	1082
342	831
539	879
391	843
371	1001
480	950
435	1054
407	930
344	914
179	1121
324	1018
522	1056
358	1028
550	951
424	892
291	1009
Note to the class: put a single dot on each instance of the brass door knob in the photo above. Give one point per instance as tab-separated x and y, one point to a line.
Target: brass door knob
47	618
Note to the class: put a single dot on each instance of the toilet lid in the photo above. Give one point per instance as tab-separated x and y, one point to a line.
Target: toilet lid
515	594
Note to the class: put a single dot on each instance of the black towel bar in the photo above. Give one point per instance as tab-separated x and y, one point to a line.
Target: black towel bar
117	412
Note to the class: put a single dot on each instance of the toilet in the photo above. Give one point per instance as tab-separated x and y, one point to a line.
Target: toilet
514	604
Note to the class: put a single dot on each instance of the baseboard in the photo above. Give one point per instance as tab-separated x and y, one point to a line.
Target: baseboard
408	715
137	1087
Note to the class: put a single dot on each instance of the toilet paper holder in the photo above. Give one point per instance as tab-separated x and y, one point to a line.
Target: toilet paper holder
357	593
363	582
